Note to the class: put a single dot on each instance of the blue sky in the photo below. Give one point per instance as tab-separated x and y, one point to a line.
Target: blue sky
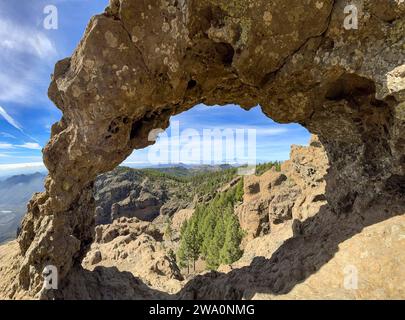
28	52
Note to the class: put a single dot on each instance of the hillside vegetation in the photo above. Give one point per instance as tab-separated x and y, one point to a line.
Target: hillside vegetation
213	233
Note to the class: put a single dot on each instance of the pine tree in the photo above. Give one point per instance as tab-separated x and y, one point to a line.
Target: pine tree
216	244
182	252
189	249
193	242
168	233
208	228
230	251
213	232
239	192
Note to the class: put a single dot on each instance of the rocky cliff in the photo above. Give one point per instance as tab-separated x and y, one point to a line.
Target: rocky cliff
297	247
135	247
141	62
157	194
130	193
296	192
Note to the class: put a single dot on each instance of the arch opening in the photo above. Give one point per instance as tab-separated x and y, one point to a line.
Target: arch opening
196	163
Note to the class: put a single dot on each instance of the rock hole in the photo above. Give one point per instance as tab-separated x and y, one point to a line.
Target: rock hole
226	53
191	84
135	129
349	86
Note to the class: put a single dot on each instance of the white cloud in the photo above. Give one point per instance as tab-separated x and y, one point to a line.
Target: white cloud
25	145
30	145
21	165
260	130
7	135
10	119
29	55
270	131
25	40
13	89
14	123
4	145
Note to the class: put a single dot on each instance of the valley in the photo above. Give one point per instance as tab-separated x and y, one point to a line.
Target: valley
15	193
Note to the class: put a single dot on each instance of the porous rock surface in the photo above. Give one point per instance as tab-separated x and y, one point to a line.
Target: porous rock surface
343	264
296	192
136	247
312	253
367	266
141	62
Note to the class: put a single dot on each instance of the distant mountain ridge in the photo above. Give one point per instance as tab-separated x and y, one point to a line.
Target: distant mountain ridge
15	192
158	189
21	178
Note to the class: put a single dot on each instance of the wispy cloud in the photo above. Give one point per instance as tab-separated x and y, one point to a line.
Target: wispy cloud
25	145
13	166
4	145
25	40
14	123
28	53
30	145
7	135
265	132
10	119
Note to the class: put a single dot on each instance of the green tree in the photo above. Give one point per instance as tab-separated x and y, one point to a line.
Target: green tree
230	251
239	192
182	252
207	230
193	242
168	233
189	249
213	232
215	245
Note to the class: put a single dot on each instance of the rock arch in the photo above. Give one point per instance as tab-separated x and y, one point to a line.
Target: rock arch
142	61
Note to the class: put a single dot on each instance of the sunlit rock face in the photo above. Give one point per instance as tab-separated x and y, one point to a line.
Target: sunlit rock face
295	192
141	62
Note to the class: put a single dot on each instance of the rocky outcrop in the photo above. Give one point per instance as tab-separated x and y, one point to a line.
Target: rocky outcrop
359	270
333	265
130	193
229	185
136	247
180	217
10	259
141	62
296	192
